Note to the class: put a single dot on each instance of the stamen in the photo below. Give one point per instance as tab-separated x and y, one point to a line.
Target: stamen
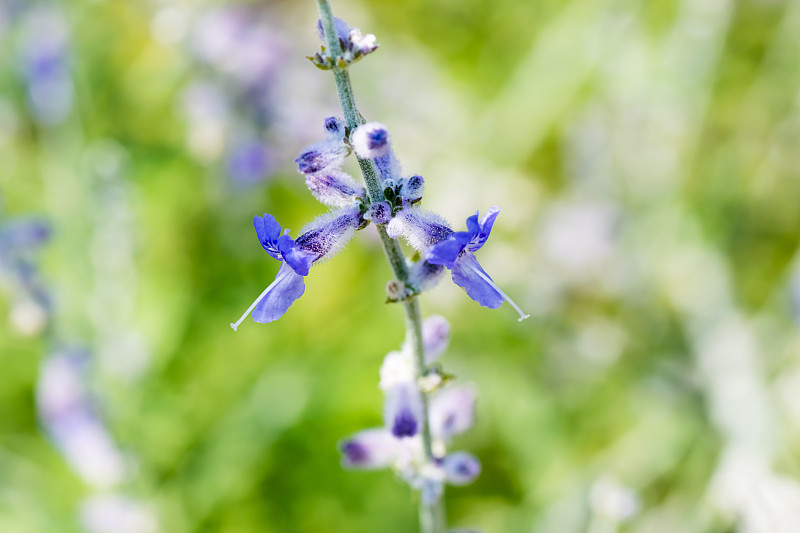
235	325
522	315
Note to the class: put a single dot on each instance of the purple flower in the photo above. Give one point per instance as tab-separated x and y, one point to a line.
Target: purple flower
403	410
325	236
23	234
461	468
371	448
456	253
68	414
46	66
452	412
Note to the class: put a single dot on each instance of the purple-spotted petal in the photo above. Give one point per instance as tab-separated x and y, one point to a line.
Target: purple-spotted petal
469	275
368	449
279	296
461	468
268	231
447	251
452	412
403	410
484	229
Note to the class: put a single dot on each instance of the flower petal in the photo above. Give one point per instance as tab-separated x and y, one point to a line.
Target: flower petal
484	229
371	448
273	304
268	231
467	275
447	251
403	410
452	412
300	260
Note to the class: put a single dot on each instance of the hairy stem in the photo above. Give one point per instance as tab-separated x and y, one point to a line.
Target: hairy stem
431	516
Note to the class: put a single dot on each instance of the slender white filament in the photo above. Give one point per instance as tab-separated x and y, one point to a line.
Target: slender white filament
522	315
235	325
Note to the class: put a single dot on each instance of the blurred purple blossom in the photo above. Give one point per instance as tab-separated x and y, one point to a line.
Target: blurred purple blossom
44	57
69	416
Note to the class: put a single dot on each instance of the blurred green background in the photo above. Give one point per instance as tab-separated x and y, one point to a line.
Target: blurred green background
645	157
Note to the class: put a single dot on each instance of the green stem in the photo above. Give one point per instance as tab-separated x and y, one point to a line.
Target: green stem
431	516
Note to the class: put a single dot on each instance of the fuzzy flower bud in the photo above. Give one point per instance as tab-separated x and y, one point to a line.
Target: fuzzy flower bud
334	128
321	156
334	188
371	140
412	189
396	290
419	228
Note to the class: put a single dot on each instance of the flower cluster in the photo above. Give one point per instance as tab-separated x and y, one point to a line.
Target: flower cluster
438	245
354	46
399	444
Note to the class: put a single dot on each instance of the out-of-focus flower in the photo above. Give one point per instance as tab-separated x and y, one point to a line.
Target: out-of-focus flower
249	162
398	444
114	513
69	416
20	241
45	64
